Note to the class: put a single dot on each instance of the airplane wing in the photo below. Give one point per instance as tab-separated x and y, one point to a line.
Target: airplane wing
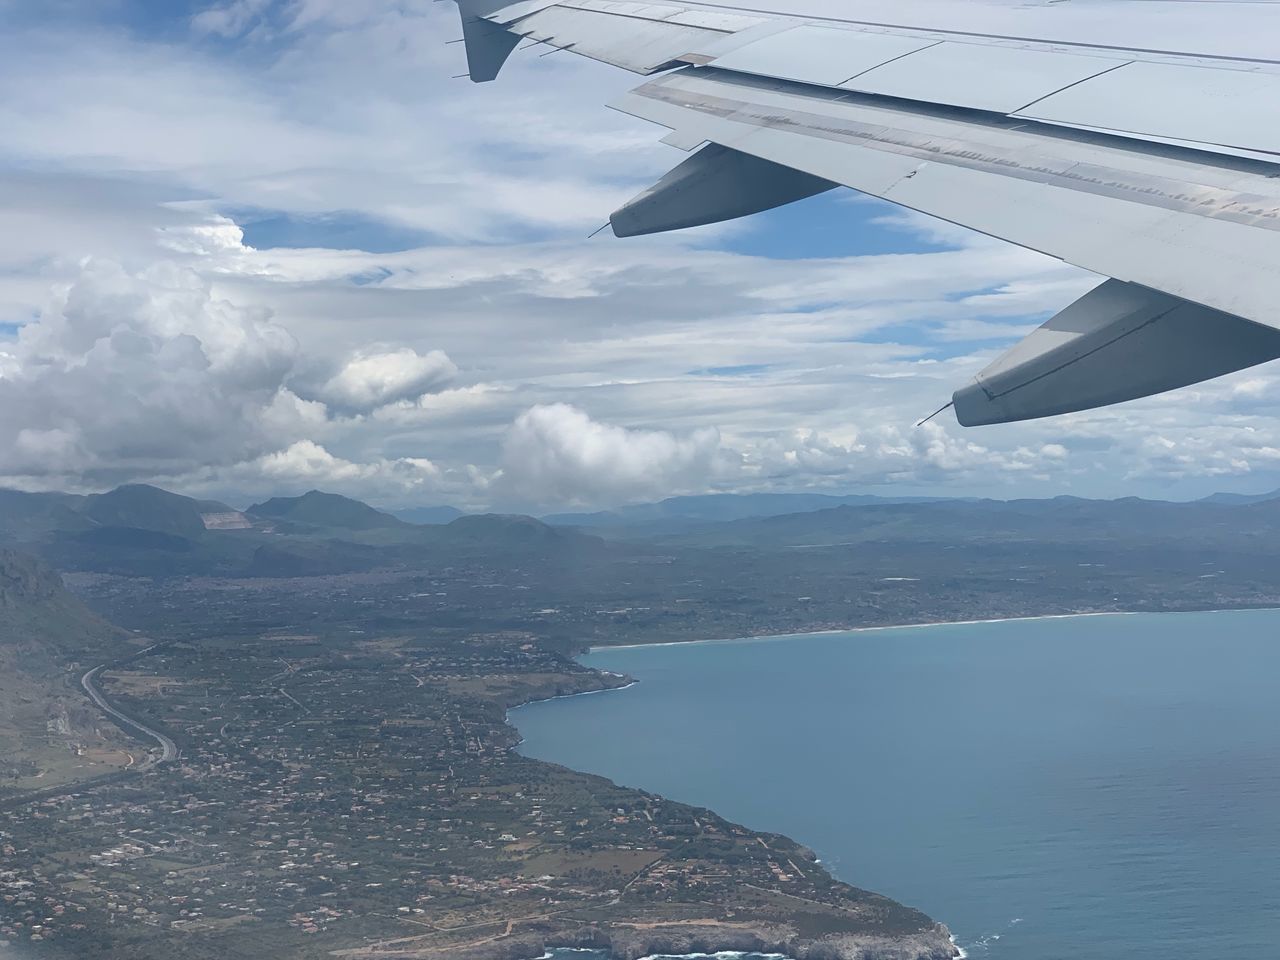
1144	158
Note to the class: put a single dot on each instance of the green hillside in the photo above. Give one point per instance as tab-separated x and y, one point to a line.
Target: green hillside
49	732
324	510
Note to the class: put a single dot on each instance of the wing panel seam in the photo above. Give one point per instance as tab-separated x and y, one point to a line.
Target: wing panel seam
1054	93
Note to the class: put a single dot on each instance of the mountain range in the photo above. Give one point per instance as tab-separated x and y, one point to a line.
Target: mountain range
143	530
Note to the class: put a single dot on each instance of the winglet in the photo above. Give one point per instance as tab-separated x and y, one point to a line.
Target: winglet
488	44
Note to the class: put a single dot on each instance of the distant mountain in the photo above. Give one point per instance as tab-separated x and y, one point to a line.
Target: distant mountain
143	531
316	509
977	524
1240	499
510	532
33	516
142	507
27	516
429	516
677	512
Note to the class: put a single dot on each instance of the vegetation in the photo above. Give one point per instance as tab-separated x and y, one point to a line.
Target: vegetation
49	733
337	681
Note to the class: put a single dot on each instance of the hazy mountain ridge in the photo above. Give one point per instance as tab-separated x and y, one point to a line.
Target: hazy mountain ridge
324	510
677	513
145	531
429	516
974	522
138	530
1240	499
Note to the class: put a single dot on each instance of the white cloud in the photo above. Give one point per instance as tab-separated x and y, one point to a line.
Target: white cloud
229	19
373	379
182	355
153	375
558	454
144	372
885	455
307	462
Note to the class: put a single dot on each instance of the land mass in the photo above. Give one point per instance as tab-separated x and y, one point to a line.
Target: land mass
344	790
334	684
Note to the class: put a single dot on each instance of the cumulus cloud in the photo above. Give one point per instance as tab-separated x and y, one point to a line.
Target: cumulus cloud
129	373
306	462
150	374
887	454
557	454
373	379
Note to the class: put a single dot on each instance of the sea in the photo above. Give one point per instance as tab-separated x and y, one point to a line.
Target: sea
1085	788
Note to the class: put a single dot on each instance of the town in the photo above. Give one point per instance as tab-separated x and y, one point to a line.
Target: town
351	789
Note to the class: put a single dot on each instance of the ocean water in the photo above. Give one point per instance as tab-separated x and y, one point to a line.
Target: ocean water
1092	788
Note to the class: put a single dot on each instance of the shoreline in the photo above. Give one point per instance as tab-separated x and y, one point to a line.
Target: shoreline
832	631
802	634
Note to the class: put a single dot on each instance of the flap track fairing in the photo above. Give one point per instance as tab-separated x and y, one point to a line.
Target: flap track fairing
1119	342
714	185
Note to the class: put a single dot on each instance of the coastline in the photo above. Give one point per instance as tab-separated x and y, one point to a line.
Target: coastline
801	634
831	631
957	951
725	940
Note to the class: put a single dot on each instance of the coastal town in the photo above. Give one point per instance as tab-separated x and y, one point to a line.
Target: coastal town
305	765
354	790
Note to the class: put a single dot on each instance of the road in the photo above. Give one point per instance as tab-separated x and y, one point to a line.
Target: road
168	749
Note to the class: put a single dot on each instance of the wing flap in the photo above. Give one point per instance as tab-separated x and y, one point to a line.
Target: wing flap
1119	342
1001	79
1236	109
824	56
645	46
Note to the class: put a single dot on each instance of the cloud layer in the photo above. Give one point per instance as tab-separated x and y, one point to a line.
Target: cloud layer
270	246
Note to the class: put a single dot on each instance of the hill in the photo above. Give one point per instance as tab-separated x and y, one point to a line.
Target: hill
429	516
1121	524
49	734
26	517
142	507
679	513
510	533
1240	499
324	510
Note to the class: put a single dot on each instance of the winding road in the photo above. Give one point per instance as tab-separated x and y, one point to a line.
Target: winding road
168	749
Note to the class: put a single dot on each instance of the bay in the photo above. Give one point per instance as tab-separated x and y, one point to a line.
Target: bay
1091	787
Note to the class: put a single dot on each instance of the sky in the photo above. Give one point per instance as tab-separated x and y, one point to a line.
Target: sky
256	247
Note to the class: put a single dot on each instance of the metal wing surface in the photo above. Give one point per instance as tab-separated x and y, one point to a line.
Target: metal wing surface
1138	139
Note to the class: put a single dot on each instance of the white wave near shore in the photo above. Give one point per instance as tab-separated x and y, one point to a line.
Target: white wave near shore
722	955
878	629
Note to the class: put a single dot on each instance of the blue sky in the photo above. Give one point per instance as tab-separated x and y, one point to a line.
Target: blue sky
258	247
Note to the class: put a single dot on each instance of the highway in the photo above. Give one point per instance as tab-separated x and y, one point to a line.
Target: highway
168	749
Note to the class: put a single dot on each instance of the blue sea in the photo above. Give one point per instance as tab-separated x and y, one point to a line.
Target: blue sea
1090	788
